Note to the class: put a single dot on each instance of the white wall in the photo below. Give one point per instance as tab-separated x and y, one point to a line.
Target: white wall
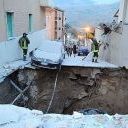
126	13
117	52
98	32
10	50
119	48
121	10
36	38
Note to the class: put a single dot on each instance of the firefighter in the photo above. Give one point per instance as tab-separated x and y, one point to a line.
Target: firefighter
74	50
24	42
95	50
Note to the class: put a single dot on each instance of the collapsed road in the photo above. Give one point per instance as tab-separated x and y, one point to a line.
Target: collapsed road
77	88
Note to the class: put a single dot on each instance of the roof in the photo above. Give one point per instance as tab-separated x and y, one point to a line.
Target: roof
58	9
54	8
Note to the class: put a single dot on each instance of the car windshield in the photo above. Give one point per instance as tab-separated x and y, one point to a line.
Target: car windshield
82	48
51	47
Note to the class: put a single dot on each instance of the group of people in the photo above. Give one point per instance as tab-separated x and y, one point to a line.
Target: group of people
71	49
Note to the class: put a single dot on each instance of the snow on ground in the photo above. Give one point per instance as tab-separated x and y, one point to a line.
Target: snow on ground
86	62
9	68
51	50
17	117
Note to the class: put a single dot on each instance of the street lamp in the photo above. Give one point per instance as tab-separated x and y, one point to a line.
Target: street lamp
87	29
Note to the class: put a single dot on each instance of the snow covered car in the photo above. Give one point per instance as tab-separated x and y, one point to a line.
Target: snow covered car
49	55
83	51
92	111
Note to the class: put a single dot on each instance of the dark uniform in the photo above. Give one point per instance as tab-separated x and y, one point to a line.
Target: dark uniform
70	51
95	50
74	50
24	42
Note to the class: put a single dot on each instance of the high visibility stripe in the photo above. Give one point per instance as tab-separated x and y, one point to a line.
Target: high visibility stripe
95	50
94	47
24	44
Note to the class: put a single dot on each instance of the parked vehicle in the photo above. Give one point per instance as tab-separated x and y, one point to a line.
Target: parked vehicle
49	55
83	51
92	111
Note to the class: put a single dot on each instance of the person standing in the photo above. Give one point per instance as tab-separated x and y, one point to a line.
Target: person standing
74	50
95	50
67	50
70	50
24	42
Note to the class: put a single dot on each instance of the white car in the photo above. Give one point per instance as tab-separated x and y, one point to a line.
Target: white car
49	55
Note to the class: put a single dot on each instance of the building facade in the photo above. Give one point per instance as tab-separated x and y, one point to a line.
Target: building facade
17	17
118	45
55	23
29	16
119	40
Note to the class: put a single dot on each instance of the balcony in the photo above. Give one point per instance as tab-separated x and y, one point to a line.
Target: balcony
46	3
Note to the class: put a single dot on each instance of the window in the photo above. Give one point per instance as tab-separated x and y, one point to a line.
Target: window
59	18
55	35
10	25
56	13
59	28
55	18
30	23
55	23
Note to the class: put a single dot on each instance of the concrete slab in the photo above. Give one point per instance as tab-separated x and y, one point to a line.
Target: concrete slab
78	62
11	67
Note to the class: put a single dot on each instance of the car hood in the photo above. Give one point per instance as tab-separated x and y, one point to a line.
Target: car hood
39	54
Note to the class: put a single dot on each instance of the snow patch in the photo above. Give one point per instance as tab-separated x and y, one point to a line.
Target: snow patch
10	113
80	61
17	117
49	50
11	67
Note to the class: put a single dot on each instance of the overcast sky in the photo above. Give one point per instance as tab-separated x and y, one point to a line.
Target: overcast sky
79	2
105	1
82	12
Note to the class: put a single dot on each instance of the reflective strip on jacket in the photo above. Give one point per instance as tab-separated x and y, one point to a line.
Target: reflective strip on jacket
95	48
23	43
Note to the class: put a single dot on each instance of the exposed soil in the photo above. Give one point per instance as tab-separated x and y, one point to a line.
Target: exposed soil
77	88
